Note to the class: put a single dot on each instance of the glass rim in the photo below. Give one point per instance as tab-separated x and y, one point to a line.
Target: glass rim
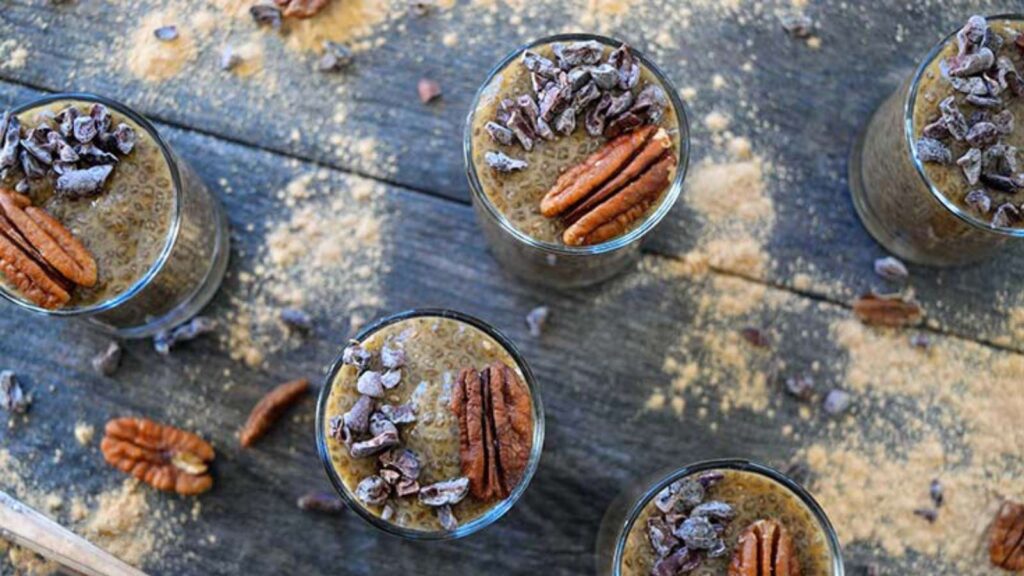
908	130
739	464
670	197
500	508
172	231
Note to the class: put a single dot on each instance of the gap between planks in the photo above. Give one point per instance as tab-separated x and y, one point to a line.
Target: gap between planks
823	298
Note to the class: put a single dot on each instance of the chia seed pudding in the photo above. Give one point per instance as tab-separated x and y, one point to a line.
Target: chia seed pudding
99	219
716	519
550	110
124	222
429	426
936	177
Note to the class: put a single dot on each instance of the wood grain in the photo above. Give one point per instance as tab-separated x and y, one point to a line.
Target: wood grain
599	437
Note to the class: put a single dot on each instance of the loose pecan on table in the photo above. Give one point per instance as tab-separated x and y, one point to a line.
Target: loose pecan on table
164	457
765	548
1006	537
38	255
613	187
893	311
495	429
270	408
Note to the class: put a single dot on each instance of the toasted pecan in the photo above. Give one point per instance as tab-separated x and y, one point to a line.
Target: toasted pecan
765	548
577	183
1006	537
29	278
614	216
270	408
52	240
495	429
164	457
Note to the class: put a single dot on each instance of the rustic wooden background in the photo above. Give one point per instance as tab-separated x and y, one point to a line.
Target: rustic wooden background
816	100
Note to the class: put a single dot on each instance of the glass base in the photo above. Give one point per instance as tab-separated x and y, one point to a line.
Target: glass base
196	301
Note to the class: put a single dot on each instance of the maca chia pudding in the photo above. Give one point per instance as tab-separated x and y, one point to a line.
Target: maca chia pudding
726	522
575	143
86	202
429	423
969	102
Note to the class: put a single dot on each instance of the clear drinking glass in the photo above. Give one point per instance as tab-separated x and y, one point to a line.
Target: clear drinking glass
897	202
627	508
559	265
499	508
190	267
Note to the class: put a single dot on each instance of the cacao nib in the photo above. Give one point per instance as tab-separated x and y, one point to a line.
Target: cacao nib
194	328
891	269
32	168
166	33
370	384
597	115
499	133
12	398
929	514
625	63
576	54
620	103
979	201
984	101
373	491
837	401
650	104
797	24
266	15
1003	122
376	444
522	129
357	419
428	90
502	163
402	460
755	337
83	183
999	182
322	502
335	58
982	134
970	163
933	151
11	138
446	493
578	78
697	533
953	118
589	94
401	414
355	355
229	59
935	491
101	115
970	37
391	378
566	122
296	319
714	510
539	65
107	362
624	123
800	387
605	76
971	64
124	138
679	562
446	517
1006	215
536	319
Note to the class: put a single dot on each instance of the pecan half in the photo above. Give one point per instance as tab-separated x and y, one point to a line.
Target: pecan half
1006	537
893	311
38	255
495	429
270	408
615	186
164	457
765	548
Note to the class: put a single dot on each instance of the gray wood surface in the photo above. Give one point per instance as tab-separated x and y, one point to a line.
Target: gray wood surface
604	347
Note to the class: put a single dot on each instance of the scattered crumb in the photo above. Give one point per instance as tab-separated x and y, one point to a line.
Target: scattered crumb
84	433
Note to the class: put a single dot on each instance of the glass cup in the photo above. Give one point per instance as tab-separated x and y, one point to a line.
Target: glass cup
558	265
626	509
897	202
500	508
189	269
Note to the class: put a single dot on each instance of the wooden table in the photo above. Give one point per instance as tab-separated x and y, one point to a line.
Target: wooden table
603	352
